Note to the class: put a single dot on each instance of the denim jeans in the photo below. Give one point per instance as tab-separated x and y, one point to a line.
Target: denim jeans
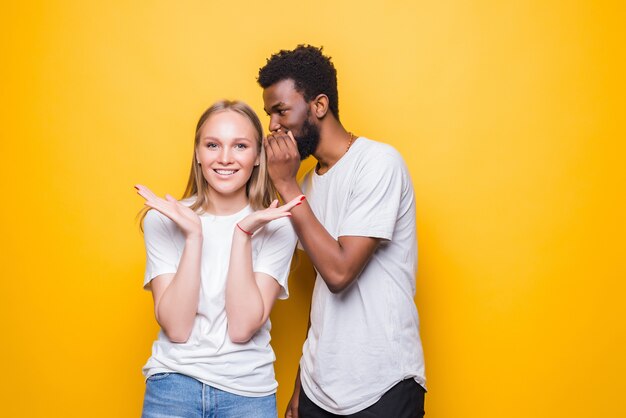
170	395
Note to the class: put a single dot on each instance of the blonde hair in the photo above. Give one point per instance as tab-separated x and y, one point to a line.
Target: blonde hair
259	188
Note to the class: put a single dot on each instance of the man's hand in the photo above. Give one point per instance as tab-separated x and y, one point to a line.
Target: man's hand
292	407
283	161
294	402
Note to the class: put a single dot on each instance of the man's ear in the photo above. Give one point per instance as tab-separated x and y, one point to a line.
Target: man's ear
319	106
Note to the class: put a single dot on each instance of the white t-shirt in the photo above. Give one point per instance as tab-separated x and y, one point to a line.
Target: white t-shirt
209	355
365	339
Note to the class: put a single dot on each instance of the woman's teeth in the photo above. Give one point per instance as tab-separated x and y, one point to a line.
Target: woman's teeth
225	172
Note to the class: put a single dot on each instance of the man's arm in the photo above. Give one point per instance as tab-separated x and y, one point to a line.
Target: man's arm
339	261
294	402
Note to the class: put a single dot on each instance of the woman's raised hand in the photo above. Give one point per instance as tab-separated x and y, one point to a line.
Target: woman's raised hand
186	219
259	218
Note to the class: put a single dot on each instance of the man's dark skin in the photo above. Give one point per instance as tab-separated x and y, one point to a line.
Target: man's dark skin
339	262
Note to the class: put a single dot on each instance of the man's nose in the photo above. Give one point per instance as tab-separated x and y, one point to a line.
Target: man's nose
274	125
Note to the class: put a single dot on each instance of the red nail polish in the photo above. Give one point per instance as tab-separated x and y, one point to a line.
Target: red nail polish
302	198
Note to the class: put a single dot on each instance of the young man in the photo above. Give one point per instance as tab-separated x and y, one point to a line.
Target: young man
363	354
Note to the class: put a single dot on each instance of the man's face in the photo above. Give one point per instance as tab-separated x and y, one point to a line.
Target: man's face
288	110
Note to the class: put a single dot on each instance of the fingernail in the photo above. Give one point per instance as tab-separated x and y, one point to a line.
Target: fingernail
137	188
298	204
302	198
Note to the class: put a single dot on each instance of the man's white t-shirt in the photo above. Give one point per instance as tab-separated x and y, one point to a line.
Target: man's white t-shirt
209	355
365	339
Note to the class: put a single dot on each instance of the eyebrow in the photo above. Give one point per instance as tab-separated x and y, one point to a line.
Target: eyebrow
279	104
239	138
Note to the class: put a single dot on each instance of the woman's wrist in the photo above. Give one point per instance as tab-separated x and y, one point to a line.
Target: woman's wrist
195	236
246	230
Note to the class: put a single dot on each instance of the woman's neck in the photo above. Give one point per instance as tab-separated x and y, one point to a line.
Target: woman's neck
221	205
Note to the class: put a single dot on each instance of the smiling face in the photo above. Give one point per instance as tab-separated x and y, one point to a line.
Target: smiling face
227	152
288	110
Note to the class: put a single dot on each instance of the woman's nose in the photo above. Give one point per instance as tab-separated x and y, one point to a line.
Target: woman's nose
225	156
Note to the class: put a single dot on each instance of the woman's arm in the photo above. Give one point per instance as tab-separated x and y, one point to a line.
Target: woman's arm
249	295
176	295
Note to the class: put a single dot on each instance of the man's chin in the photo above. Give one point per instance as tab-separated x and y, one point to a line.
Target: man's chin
306	150
304	155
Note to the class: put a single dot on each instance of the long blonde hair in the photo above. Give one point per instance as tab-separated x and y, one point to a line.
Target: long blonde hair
259	189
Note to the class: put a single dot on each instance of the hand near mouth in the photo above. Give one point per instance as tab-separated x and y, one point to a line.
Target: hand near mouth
283	162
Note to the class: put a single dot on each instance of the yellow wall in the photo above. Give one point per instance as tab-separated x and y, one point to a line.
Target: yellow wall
510	115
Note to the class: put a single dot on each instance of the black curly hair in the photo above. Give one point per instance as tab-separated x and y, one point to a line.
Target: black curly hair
312	73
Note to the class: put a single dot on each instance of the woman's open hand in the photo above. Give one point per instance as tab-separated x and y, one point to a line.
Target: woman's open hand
186	219
256	220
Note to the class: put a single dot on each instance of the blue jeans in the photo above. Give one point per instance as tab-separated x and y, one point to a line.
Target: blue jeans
173	395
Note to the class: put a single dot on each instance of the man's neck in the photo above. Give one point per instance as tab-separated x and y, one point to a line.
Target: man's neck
333	144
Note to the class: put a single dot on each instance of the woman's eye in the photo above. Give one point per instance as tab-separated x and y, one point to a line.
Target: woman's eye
211	145
241	146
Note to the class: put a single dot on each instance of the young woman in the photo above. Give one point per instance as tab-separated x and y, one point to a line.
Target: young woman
216	262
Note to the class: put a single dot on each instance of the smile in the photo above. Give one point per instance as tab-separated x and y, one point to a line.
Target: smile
225	172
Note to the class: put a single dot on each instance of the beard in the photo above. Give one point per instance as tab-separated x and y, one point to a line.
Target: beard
308	139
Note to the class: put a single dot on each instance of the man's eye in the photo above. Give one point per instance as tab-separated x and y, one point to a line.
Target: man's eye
282	112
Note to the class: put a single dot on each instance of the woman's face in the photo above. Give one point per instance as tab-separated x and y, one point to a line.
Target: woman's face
227	152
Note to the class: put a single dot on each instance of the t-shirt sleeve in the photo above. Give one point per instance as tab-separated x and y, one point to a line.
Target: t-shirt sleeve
274	257
374	198
162	256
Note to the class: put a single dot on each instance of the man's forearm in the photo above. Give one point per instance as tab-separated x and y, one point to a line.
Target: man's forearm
337	264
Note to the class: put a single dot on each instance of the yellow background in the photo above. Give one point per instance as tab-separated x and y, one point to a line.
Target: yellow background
510	115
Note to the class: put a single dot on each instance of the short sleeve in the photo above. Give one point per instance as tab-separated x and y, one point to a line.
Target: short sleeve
277	249
162	255
374	198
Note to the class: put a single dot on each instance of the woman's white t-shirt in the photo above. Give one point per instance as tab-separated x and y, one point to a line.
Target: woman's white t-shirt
209	355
